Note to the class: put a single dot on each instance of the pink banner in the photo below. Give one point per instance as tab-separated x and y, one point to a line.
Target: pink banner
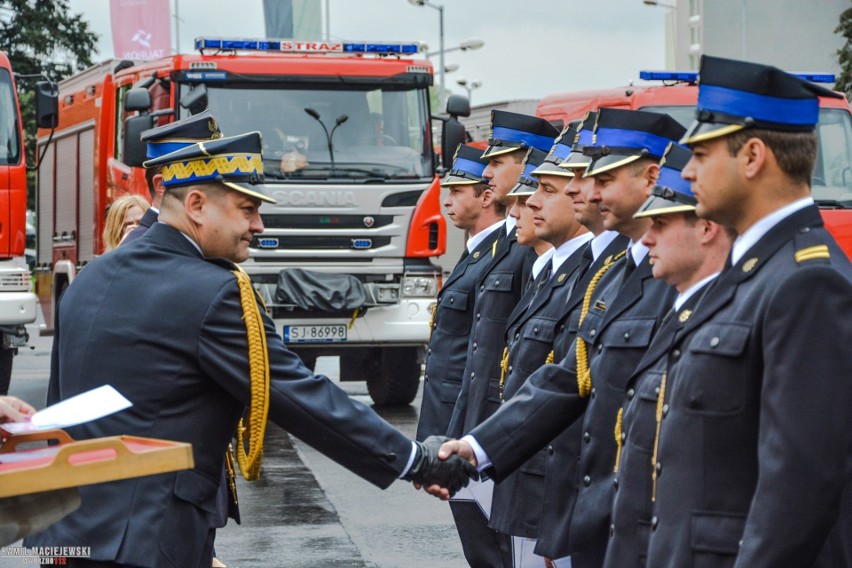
141	29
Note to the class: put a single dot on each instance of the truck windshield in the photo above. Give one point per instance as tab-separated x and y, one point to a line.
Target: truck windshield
10	143
375	134
831	184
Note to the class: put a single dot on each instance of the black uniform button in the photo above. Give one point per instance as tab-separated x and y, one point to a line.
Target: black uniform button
562	327
592	333
630	394
676	354
665	409
510	368
626	336
593	392
612	530
654	522
623	437
659	468
657	390
517	336
587	437
474	345
535	330
587	481
429	351
550	450
600	347
615	483
496	282
472	375
714	342
426	378
482	288
477	316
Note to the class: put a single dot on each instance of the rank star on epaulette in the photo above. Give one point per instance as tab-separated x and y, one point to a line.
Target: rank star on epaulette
684	315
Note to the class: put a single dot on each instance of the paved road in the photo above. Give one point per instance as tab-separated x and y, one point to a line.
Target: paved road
307	511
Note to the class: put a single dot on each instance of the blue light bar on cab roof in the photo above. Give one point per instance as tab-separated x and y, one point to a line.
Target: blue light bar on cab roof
301	46
692	76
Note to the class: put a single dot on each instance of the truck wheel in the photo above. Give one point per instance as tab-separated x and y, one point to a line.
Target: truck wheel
6	356
397	379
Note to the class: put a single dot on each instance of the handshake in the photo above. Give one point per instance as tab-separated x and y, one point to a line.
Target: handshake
441	477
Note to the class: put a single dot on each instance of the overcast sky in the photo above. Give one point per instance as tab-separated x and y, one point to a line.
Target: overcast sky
532	48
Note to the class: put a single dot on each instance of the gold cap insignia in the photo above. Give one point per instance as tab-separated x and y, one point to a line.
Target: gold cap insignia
684	315
749	265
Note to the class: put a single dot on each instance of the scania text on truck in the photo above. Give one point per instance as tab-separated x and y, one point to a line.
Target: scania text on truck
345	261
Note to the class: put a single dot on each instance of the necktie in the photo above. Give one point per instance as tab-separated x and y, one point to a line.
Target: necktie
629	267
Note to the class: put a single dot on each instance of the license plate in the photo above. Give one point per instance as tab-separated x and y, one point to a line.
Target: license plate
314	333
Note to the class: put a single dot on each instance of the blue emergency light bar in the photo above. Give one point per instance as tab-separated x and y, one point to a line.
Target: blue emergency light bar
692	76
301	46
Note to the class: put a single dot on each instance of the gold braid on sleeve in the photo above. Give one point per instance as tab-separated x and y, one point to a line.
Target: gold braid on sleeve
504	368
251	435
549	359
618	436
660	403
584	375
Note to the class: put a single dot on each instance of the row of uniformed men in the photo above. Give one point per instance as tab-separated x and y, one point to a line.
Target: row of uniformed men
697	309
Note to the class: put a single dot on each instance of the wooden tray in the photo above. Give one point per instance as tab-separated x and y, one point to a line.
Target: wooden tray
71	464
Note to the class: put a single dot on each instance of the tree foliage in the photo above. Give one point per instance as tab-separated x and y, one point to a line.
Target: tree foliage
844	54
42	38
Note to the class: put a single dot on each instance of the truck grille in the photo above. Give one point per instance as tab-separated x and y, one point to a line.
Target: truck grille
14	281
302	221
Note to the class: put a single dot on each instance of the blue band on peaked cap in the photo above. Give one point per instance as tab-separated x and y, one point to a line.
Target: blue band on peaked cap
623	136
672	193
576	159
468	167
180	134
512	131
733	95
759	107
527	184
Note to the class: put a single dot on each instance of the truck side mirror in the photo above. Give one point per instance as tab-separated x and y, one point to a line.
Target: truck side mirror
195	100
137	99
458	105
134	149
452	134
47	104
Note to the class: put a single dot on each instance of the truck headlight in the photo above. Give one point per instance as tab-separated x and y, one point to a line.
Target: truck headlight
419	286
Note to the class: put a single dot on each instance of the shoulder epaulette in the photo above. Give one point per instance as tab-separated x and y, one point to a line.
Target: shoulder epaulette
812	253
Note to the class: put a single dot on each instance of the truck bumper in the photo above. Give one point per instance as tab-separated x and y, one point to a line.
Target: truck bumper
405	323
17	308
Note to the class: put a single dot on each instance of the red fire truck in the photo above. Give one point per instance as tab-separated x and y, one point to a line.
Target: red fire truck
676	93
348	155
17	302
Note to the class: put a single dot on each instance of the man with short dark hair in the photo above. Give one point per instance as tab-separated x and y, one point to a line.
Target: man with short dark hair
753	461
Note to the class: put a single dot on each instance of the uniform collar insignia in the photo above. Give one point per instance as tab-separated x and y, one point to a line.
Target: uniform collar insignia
561	278
749	265
476	255
684	315
600	305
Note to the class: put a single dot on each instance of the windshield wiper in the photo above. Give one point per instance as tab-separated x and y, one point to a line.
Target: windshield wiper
834	204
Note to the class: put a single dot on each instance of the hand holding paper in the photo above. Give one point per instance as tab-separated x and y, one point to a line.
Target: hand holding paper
84	407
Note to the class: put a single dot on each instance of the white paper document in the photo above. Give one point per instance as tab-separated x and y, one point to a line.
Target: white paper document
85	407
479	492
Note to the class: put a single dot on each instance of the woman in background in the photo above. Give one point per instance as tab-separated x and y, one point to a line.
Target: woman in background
122	216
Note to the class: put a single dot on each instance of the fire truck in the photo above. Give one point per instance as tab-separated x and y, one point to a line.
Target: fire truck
345	261
676	93
17	302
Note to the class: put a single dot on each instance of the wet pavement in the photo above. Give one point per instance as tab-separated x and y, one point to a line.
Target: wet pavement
307	511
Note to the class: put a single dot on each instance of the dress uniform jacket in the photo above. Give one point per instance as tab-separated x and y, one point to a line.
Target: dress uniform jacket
164	327
518	499
146	222
561	454
500	287
447	352
631	510
544	408
755	449
617	337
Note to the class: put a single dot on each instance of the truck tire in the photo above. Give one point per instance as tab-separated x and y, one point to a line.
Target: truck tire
397	378
6	356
